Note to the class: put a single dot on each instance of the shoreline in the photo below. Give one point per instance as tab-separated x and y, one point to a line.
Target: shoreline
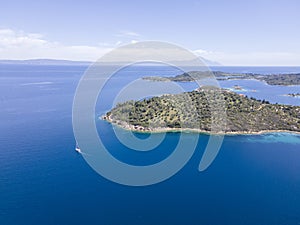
139	129
160	79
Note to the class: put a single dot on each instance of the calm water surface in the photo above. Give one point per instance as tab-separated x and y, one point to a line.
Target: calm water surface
254	179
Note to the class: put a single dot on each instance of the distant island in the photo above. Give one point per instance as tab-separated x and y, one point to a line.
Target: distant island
62	62
191	111
46	62
272	79
295	95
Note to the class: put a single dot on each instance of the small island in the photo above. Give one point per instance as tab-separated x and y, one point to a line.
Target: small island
295	95
272	79
237	87
191	111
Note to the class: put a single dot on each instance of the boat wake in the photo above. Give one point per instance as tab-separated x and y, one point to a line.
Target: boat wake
78	150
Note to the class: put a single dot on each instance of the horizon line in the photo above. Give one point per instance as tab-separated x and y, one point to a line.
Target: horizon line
2	61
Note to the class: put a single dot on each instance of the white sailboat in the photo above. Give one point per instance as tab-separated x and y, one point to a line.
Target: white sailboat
77	149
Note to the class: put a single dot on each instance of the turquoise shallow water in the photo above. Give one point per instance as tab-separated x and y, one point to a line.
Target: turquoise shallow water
254	179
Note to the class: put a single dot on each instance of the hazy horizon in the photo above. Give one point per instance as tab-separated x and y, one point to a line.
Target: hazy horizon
233	33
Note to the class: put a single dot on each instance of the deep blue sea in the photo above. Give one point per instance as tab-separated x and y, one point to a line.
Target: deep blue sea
254	180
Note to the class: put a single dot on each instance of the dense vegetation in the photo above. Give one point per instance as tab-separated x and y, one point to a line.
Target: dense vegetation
195	110
282	79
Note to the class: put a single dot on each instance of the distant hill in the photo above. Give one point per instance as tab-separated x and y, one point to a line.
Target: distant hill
70	62
271	79
44	62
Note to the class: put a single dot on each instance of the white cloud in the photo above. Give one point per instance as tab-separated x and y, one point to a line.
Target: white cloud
9	38
134	41
252	58
118	43
21	45
202	52
128	34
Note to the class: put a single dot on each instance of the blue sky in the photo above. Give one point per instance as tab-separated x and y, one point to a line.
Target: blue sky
258	32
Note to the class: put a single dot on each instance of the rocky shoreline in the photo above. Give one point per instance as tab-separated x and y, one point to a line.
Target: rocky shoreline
146	130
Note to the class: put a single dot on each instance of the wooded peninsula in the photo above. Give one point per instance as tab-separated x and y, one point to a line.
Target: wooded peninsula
193	111
272	79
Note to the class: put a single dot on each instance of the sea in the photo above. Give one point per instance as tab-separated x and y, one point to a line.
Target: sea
255	179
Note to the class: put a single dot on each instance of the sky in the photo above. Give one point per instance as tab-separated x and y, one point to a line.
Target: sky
232	32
